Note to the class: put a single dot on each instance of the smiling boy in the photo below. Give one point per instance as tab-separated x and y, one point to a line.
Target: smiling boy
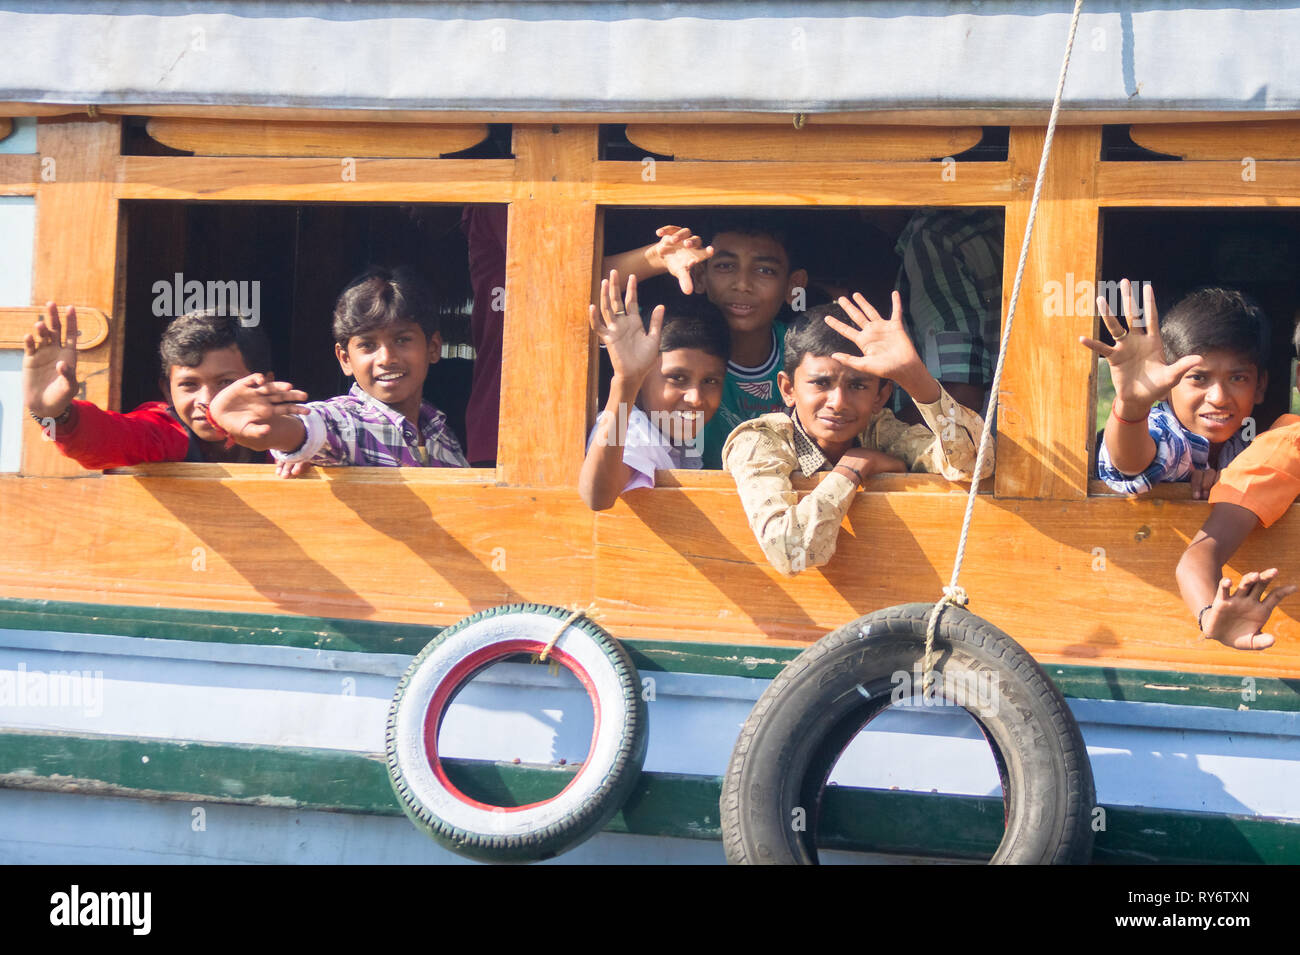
201	354
667	384
386	337
749	278
840	365
1207	357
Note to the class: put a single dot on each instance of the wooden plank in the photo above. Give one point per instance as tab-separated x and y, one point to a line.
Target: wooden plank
6	127
1232	183
802	184
1259	140
814	143
1043	429
19	174
314	180
901	117
16	322
1089	582
76	254
223	137
550	260
419	552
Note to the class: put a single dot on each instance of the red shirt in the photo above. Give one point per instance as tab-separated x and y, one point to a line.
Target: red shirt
99	439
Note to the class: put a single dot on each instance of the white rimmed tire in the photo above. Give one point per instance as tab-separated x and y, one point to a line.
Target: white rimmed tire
538	830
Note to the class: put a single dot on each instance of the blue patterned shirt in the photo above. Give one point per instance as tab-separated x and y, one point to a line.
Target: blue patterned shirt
1178	453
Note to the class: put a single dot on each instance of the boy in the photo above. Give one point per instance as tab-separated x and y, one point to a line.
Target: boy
836	380
1207	356
386	336
673	370
1257	488
201	353
750	280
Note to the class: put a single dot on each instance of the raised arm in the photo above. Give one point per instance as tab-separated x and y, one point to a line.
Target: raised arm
1234	619
259	413
948	442
632	352
677	252
1141	377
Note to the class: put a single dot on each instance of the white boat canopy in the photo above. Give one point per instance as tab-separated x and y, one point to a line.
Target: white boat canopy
586	57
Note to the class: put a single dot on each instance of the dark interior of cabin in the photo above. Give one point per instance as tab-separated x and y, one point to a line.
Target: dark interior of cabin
302	254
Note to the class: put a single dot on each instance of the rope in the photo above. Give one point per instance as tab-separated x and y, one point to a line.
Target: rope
953	594
586	611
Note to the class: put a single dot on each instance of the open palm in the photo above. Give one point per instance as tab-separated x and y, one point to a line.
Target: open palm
632	350
885	345
50	363
1137	359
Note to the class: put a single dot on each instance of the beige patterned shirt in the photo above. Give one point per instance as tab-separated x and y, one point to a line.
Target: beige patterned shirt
795	534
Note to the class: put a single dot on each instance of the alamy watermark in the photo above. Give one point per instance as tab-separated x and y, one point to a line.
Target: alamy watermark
241	299
56	689
970	689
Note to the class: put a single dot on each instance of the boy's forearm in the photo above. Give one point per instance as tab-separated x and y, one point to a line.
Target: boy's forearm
642	263
917	381
286	433
603	473
1129	443
1198	574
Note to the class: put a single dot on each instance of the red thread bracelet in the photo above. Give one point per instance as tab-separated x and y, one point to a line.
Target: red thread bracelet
1116	416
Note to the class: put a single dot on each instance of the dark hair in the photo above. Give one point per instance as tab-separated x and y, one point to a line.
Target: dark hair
766	224
191	336
380	297
694	323
1216	318
810	335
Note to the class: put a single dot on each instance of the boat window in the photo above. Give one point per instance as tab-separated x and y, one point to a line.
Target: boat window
846	250
286	263
1178	250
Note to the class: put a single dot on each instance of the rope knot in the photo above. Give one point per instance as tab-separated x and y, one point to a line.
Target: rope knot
588	611
955	596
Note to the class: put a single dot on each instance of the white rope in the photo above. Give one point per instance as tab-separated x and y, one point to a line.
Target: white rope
953	594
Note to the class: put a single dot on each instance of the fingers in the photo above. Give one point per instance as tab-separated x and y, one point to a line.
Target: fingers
1225	591
847	331
1102	349
895	307
596	325
615	292
855	315
1251	641
1247	584
1109	320
1277	596
1182	367
1201	482
866	309
1149	303
1126	299
629	301
656	323
52	321
70	327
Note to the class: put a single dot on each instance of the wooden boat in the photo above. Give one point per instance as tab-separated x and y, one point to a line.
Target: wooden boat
249	631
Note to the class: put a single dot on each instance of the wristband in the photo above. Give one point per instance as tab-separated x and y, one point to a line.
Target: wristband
857	474
61	418
1142	420
1200	617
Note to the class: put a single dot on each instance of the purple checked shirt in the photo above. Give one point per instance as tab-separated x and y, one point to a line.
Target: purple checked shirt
361	430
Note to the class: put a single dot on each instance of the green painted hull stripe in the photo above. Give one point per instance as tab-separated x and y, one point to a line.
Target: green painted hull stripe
663	804
368	636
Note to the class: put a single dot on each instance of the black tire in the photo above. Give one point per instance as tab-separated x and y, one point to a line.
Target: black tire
546	828
818	703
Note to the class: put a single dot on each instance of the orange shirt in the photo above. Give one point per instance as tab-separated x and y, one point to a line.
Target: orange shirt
1265	478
